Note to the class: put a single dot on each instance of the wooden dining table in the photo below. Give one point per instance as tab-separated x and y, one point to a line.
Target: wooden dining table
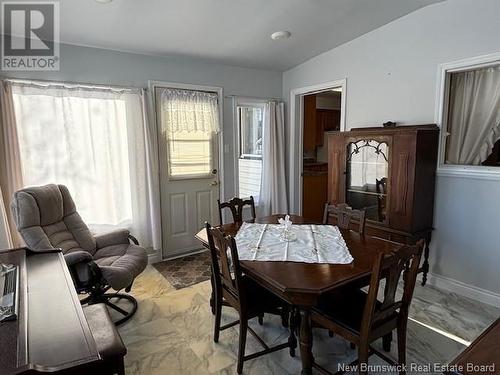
302	284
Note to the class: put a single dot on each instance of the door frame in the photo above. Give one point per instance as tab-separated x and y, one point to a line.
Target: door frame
297	134
152	86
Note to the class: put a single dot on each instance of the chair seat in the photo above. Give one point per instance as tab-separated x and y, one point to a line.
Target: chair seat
121	264
344	307
108	341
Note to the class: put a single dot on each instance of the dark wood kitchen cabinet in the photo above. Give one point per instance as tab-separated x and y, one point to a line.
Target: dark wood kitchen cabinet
390	173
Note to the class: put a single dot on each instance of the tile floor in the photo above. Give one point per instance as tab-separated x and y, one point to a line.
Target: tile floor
171	333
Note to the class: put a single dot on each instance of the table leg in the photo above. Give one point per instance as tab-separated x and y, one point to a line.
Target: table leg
306	342
425	265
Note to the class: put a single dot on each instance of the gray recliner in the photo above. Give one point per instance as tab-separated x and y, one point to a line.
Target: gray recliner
46	218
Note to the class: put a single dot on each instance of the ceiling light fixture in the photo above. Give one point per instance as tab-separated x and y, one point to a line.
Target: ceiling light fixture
278	35
103	1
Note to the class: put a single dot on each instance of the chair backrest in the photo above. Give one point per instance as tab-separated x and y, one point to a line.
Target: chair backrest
46	218
225	266
406	261
344	216
236	206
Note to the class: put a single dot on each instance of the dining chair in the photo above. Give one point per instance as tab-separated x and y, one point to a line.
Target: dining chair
241	293
236	206
344	216
361	318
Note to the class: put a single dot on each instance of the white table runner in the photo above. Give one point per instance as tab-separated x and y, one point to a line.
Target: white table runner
314	244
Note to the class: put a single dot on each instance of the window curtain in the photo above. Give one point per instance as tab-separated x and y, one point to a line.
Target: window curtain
190	111
10	167
273	191
189	121
96	141
474	115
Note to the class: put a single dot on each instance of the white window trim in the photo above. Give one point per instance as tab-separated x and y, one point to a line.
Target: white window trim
241	102
442	89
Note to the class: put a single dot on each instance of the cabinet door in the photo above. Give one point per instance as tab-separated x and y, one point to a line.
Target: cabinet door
320	125
309	123
336	168
367	175
331	120
402	181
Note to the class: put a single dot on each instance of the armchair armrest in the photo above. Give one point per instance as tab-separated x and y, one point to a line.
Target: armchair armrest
83	269
120	236
77	257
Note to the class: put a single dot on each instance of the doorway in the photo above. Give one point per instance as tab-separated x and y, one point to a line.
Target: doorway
189	162
321	116
315	112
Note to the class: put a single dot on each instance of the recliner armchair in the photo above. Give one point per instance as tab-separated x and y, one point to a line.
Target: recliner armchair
46	218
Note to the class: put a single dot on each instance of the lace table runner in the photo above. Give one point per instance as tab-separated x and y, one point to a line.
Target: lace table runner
313	244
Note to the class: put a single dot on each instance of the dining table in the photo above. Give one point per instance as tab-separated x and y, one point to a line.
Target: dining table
302	284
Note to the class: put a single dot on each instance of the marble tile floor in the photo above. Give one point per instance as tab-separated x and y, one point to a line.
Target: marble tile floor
172	332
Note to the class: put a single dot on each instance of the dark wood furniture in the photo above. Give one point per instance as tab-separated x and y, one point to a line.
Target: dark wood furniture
302	284
314	191
236	206
241	293
317	121
344	216
399	208
361	319
51	333
311	137
480	357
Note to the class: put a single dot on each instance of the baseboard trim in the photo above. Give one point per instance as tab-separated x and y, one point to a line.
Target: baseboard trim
186	253
154	257
463	289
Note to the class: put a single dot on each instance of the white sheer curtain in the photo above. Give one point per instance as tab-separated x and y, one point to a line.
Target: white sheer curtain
5	237
10	166
273	191
474	115
96	142
189	121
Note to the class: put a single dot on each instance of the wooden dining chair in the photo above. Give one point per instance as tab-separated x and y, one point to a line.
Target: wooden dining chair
241	293
236	206
344	216
361	318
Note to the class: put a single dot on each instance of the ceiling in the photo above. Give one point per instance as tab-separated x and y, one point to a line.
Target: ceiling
235	32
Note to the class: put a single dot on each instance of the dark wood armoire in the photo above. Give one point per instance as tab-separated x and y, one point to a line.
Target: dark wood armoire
390	173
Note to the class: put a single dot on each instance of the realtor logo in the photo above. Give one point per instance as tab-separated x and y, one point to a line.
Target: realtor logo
30	35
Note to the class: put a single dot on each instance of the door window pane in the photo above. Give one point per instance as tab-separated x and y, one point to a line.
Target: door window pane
190	153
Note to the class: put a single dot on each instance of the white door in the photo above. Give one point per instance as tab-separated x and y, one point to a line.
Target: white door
189	168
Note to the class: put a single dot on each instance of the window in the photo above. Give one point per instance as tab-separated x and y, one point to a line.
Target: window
470	116
250	120
189	121
82	137
190	153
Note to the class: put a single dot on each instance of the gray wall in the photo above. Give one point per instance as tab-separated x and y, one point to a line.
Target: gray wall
391	75
92	65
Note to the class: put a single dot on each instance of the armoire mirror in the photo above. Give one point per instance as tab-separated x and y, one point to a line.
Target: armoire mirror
367	175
